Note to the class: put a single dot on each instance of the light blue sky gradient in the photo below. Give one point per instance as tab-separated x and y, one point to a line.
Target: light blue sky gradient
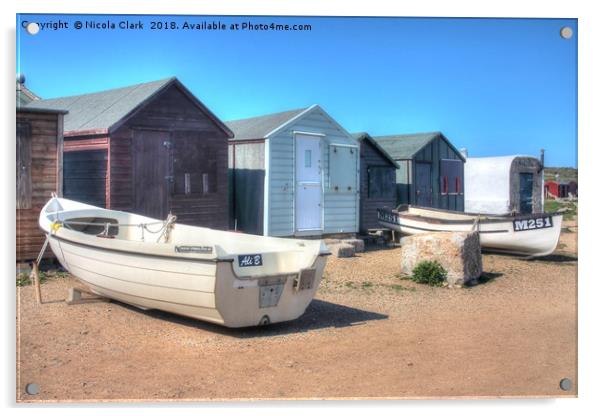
494	86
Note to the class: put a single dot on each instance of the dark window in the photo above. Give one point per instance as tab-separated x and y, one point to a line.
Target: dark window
381	182
85	176
451	176
194	167
23	165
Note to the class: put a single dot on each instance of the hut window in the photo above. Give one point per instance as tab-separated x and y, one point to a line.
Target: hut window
308	158
85	176
23	165
381	182
451	176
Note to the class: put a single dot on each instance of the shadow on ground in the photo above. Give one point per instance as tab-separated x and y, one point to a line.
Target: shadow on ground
319	315
486	277
557	257
554	258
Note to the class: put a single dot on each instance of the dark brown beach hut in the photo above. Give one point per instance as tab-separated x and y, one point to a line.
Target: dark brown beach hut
149	148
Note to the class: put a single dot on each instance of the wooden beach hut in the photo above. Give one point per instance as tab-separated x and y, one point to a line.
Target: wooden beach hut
431	170
377	181
149	148
294	173
39	141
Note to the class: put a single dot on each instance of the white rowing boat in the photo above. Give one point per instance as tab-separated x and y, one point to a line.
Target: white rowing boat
530	235
228	278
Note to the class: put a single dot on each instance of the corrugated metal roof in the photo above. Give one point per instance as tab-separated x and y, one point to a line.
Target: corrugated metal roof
405	146
101	110
365	136
260	127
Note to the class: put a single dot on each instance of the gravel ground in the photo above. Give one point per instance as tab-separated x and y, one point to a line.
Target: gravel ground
370	333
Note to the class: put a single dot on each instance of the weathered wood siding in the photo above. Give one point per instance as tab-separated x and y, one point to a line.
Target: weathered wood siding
432	154
246	163
46	137
121	181
371	158
340	208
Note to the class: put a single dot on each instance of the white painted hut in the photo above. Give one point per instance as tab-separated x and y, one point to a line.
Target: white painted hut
503	185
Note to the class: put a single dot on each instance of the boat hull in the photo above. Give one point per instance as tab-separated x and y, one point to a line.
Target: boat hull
214	288
512	235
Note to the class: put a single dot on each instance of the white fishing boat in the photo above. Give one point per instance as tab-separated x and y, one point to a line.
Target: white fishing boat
228	278
529	235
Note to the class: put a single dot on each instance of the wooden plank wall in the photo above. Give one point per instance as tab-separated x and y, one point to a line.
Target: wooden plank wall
370	157
198	146
121	189
45	139
198	154
433	153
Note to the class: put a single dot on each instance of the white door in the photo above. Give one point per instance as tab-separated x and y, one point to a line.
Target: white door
308	195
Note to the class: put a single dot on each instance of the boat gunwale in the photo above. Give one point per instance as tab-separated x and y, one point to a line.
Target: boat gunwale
441	230
400	212
137	253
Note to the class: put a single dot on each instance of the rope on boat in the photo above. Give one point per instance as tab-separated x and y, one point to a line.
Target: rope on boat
164	232
476	225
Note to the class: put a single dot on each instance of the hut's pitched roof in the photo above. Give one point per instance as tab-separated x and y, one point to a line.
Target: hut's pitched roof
24	95
361	136
105	110
260	127
405	146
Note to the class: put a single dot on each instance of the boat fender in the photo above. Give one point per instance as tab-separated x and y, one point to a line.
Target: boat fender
55	226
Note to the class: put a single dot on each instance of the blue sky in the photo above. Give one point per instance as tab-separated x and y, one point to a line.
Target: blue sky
494	86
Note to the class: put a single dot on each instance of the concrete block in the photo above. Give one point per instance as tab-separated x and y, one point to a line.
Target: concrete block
458	252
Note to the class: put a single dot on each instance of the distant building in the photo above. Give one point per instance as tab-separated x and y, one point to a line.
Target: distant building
431	170
554	189
573	188
504	184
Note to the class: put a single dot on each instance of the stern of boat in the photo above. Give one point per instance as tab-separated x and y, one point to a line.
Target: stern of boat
261	300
